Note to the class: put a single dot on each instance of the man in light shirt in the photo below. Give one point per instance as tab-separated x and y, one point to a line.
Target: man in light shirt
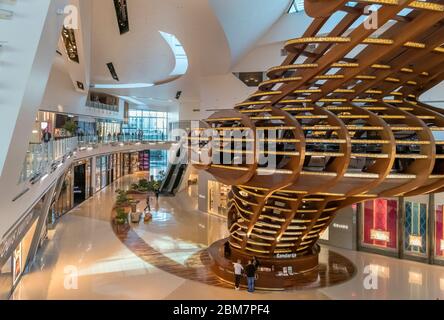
238	269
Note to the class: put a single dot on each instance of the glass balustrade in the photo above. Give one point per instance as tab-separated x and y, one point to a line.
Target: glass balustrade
42	157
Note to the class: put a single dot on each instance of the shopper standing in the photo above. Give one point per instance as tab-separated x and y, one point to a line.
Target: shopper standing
256	263
238	269
47	146
227	250
250	270
148	207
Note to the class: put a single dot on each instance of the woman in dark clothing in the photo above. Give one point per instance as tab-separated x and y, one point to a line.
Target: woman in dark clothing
227	250
250	270
256	263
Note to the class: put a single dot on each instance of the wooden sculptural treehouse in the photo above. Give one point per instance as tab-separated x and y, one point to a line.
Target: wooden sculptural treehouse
341	118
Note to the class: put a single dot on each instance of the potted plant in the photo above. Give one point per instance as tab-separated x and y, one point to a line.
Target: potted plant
121	218
143	185
122	199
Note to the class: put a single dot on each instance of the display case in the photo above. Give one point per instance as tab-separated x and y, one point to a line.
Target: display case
439	226
416	226
379	220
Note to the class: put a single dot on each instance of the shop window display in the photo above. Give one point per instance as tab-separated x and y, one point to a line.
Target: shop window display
415	228
218	198
439	231
380	224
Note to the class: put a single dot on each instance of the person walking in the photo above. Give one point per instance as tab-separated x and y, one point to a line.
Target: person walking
238	270
250	270
148	207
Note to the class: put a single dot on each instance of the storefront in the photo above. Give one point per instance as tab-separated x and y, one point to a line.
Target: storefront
439	228
342	232
103	172
218	198
379	225
416	231
65	201
82	181
144	160
130	163
407	228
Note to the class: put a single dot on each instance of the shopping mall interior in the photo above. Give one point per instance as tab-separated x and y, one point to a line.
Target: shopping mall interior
151	149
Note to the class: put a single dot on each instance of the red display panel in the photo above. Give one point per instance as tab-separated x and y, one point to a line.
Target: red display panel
380	223
439	233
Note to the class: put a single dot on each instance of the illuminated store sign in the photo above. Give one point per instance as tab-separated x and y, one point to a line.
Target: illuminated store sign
380	235
286	256
340	226
415	241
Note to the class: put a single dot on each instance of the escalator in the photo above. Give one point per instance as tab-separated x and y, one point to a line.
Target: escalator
173	179
174	176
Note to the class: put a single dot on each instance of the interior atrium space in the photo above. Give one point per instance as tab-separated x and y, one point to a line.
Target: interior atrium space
241	155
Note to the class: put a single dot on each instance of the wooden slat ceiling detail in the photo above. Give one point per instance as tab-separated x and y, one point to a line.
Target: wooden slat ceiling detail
347	123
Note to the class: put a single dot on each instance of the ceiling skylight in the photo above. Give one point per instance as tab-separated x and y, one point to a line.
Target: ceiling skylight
122	86
296	6
179	54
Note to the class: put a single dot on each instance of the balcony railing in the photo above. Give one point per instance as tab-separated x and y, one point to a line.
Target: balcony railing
102	106
41	157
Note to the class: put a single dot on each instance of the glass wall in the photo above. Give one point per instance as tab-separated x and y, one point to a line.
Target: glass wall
380	224
146	125
158	162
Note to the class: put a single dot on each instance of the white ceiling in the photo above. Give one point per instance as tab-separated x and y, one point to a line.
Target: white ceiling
214	34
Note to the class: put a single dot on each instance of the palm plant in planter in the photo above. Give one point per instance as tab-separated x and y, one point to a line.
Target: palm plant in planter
121	217
122	199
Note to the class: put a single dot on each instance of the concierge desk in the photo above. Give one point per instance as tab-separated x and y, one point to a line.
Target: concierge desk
273	274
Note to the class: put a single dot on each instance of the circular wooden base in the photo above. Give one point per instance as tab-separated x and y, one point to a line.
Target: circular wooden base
302	272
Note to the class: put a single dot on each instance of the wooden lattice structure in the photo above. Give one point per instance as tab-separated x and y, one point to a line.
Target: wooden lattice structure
347	123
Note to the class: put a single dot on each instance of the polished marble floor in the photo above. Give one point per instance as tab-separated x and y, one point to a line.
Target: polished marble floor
85	260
